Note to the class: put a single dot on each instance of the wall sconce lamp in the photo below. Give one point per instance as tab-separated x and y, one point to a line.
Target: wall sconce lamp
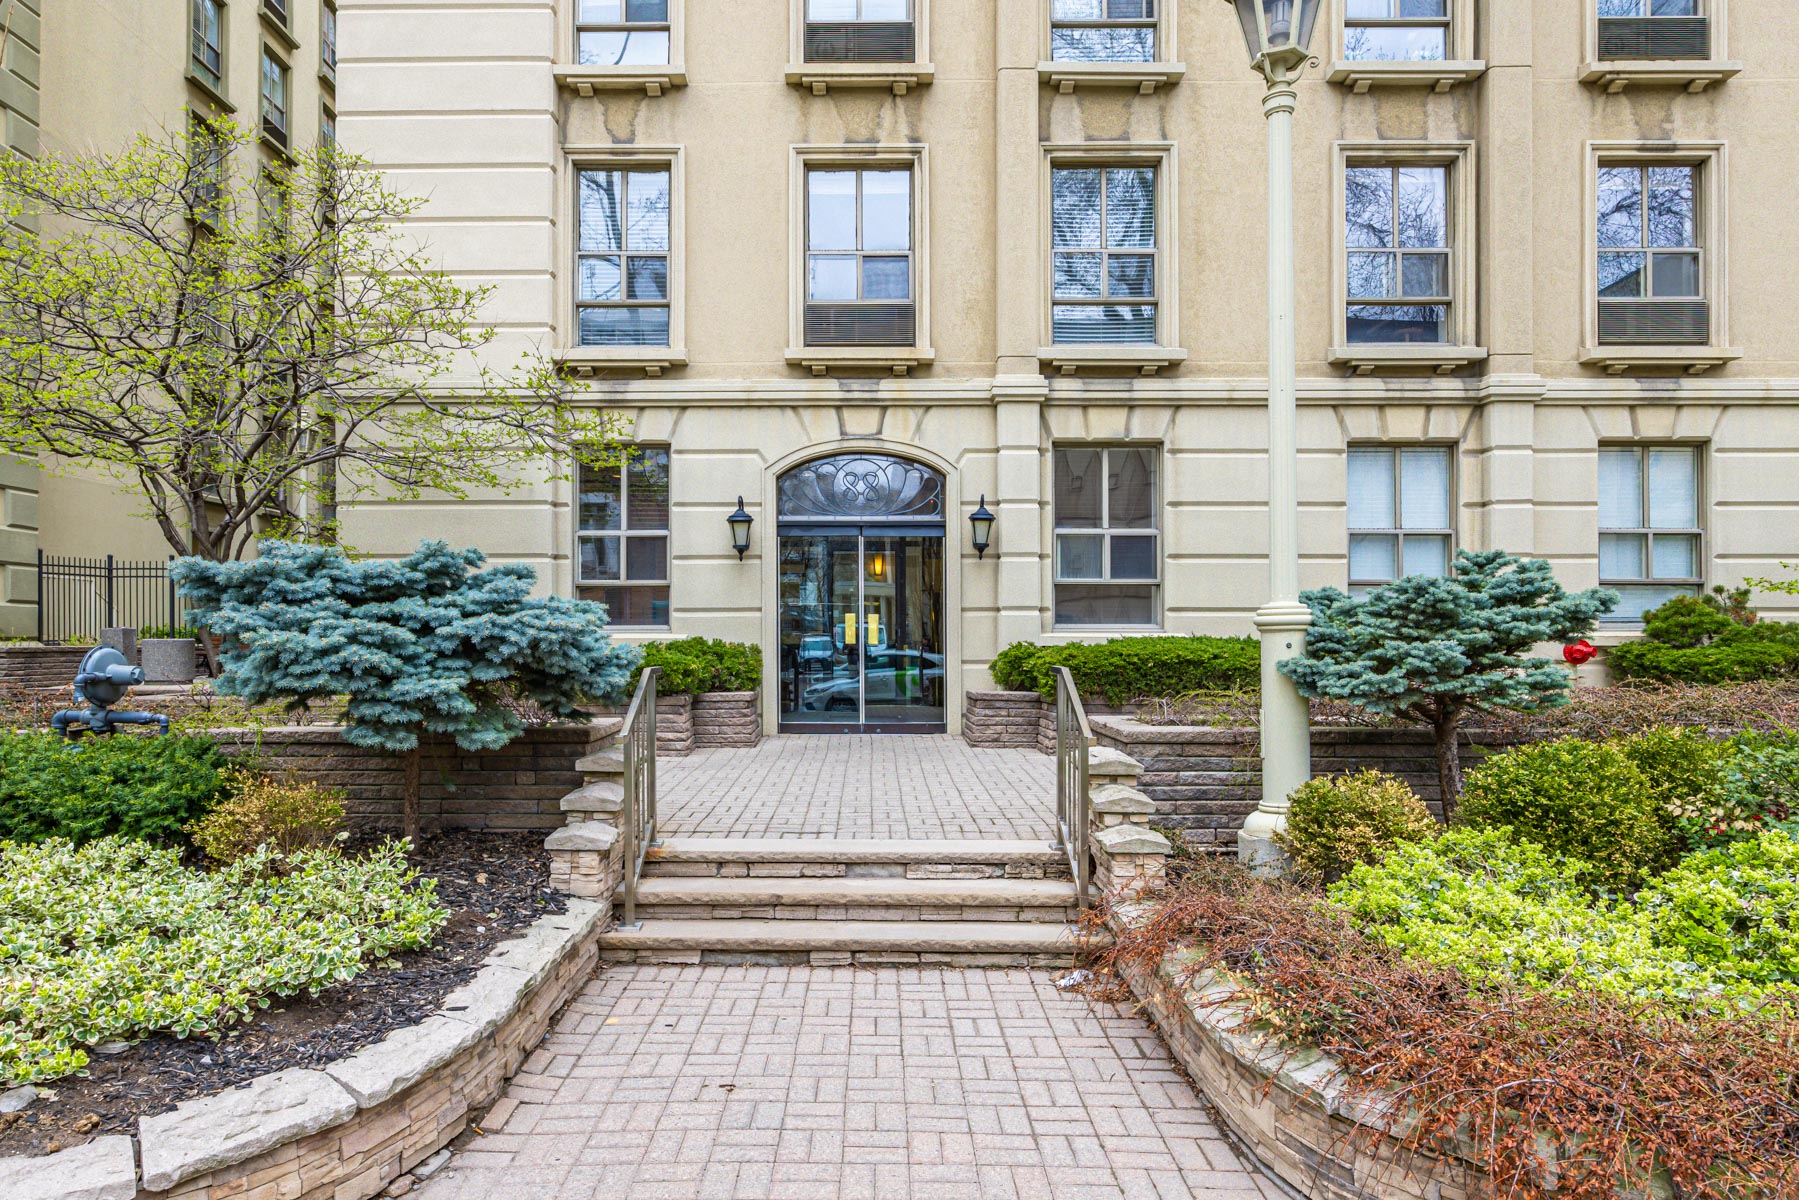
740	522
982	521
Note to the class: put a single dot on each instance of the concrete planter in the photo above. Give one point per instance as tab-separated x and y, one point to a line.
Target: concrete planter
688	723
169	660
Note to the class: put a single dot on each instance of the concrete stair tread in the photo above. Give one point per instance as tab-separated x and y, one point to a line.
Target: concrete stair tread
848	850
757	891
952	937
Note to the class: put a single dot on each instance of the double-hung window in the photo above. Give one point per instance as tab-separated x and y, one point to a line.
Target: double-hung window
860	264
1103	231
209	42
1102	30
206	168
1651	29
622	293
1650	540
851	31
622	558
1397	233
611	33
274	98
276	9
1108	540
1651	266
1396	30
1399	513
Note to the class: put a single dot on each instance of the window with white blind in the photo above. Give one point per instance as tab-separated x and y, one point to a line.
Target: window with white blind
622	552
1102	30
860	31
1651	546
1401	509
616	33
1103	239
1396	230
1107	535
1396	30
622	292
1653	29
859	261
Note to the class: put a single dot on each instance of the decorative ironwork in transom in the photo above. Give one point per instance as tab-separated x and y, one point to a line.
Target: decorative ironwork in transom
862	488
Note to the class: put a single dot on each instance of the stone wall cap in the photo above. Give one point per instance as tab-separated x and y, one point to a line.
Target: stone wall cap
607	796
487	999
1132	839
405	1056
610	761
588	835
1018	696
1120	798
1103	760
104	1169
725	697
218	1131
532	954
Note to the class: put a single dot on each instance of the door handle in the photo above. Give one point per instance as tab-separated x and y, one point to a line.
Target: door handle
874	629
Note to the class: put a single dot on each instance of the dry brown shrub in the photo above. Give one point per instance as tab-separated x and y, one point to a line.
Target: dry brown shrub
22	707
1556	1098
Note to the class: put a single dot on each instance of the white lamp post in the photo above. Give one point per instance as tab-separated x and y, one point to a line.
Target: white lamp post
1279	33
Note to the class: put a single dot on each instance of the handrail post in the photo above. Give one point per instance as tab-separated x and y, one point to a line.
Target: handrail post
1074	739
638	738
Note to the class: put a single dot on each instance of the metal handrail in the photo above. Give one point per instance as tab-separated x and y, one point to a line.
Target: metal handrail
638	816
1074	802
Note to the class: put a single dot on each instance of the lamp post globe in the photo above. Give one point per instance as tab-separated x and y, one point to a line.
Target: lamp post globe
1278	34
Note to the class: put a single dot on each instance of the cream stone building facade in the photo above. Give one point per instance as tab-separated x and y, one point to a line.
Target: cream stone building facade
865	264
88	77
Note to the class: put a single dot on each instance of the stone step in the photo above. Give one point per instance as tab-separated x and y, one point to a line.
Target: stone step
825	943
794	858
856	899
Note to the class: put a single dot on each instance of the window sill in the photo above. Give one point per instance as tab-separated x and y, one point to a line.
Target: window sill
274	25
1695	360
820	78
1615	75
586	361
1065	77
211	91
1146	360
1438	76
1366	360
650	79
821	360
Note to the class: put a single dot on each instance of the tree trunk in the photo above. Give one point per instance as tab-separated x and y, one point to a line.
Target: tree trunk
409	802
1447	731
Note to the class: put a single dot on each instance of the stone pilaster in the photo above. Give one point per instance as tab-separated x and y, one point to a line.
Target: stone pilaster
1128	856
587	854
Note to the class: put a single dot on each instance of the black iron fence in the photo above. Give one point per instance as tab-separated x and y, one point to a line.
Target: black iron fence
78	597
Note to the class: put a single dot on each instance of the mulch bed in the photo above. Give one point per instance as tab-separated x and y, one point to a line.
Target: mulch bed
494	885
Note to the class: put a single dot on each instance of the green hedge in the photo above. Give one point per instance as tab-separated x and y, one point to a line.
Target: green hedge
693	666
126	785
1133	668
1691	639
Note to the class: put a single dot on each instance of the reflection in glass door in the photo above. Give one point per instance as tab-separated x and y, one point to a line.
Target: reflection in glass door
861	631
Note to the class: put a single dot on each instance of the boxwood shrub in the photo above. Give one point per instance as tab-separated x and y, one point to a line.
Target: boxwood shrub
1338	821
693	666
127	785
1133	668
1584	800
1693	640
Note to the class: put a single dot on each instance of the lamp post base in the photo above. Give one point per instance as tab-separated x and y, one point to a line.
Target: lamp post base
1286	736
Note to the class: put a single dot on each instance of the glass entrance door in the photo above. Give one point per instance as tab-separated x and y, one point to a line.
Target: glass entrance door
861	629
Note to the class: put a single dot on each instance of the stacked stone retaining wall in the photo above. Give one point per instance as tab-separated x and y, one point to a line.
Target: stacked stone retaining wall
518	787
727	719
41	666
1205	782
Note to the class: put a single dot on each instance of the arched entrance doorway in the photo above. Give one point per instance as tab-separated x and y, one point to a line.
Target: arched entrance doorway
861	596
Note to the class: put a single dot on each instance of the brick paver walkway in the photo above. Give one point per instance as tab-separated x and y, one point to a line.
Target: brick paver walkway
931	788
714	1083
